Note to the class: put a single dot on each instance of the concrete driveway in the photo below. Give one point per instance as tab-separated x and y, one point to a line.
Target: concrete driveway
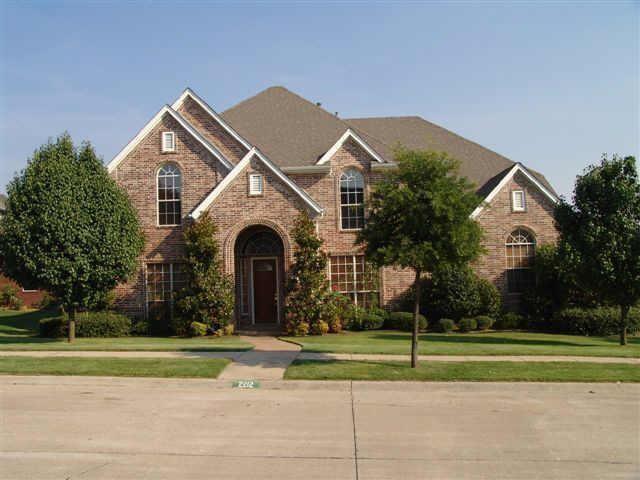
108	428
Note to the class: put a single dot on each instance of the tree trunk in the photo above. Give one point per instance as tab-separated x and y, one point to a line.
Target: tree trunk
72	325
624	312
416	312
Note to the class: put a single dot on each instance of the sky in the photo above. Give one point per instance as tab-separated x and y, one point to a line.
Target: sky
551	85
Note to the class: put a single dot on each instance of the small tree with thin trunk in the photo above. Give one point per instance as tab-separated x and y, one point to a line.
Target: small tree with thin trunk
600	234
419	219
69	229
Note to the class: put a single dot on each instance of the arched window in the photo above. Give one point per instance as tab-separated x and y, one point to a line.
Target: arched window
351	200
520	251
169	195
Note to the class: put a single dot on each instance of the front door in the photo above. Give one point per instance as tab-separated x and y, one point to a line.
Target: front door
265	290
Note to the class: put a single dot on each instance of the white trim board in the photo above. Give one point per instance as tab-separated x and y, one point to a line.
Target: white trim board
212	113
516	168
226	181
184	123
345	136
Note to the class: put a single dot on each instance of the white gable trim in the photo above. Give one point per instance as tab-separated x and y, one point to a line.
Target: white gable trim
205	106
167	110
336	146
516	168
226	181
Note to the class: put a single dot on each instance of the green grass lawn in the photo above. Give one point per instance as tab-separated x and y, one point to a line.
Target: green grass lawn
114	367
485	343
19	331
463	371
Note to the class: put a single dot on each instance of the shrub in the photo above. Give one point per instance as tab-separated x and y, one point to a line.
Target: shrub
53	327
102	324
228	329
197	329
467	324
490	298
300	329
47	301
404	321
140	327
445	325
88	324
457	293
358	319
509	321
320	328
335	325
484	322
9	298
594	321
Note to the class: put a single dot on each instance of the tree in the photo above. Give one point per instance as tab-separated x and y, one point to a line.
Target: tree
69	228
600	232
307	287
419	219
208	295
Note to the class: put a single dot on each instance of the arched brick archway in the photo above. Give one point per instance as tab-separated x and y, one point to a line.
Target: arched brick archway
240	256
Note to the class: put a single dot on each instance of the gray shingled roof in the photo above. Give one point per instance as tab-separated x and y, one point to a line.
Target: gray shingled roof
292	131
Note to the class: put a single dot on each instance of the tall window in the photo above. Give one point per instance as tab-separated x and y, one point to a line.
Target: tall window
352	276
163	281
169	195
520	252
351	200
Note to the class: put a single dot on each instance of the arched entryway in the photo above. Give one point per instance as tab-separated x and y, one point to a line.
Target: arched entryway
259	268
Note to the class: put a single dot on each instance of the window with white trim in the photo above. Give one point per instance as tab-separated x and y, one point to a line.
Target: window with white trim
255	184
352	276
518	202
169	195
351	200
168	142
520	252
163	280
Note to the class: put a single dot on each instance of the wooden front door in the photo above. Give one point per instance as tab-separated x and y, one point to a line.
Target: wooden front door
265	290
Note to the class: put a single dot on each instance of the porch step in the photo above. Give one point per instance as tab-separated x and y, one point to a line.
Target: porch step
260	330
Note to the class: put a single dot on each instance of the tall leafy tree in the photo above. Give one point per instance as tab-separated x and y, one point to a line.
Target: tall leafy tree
208	295
600	233
69	228
419	219
307	287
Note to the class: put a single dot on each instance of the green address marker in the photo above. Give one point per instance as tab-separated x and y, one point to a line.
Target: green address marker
246	384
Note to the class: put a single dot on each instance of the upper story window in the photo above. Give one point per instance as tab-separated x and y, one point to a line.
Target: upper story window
168	142
255	184
169	195
351	200
520	251
518	202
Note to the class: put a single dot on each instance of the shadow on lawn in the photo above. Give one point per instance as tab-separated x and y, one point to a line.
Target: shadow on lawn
488	339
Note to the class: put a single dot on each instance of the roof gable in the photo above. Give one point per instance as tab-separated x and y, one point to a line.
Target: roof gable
142	134
233	174
349	134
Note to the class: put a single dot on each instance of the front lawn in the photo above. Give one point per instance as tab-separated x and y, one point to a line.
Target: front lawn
114	367
19	331
463	371
485	343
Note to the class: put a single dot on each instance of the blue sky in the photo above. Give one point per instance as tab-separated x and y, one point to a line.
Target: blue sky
550	85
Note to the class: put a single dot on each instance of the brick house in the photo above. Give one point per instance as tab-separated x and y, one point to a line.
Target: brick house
254	167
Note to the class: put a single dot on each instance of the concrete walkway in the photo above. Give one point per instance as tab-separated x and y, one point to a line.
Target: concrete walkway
270	349
267	361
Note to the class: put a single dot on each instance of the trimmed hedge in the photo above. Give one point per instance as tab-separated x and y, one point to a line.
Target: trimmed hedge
88	324
404	321
484	322
358	319
197	329
467	324
445	325
509	321
594	321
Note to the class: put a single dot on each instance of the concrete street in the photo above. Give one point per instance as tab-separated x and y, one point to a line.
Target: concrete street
125	428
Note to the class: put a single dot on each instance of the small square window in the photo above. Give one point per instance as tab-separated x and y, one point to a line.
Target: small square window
255	184
517	201
168	142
